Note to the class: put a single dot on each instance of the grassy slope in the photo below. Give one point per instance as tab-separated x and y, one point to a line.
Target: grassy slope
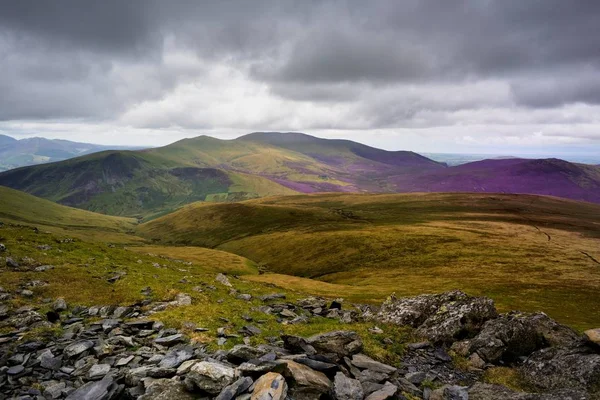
21	208
82	267
135	183
497	245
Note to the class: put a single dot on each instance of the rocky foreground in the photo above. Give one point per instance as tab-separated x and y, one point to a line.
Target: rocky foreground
109	352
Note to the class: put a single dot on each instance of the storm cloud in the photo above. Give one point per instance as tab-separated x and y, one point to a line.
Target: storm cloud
413	74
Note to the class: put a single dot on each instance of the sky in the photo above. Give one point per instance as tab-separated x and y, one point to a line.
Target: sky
499	77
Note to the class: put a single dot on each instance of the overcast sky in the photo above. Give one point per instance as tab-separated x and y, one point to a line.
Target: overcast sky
506	76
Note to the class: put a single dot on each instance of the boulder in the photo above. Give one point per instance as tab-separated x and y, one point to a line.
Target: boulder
304	382
339	344
270	386
556	368
442	317
210	377
506	338
345	388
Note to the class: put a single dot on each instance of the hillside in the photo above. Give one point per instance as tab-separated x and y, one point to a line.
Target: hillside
18	153
21	208
526	252
134	183
152	182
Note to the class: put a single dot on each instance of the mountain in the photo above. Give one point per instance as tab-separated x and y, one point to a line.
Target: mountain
18	153
551	176
147	183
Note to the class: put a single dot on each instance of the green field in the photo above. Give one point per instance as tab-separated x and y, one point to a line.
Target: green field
526	252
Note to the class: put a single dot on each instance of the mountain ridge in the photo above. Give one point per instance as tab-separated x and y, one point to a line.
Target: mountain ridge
150	182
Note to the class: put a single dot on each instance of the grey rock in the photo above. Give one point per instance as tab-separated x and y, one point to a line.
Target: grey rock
364	362
416	378
450	393
273	296
77	348
170	340
244	296
242	352
50	362
99	390
236	388
223	280
339	343
166	389
55	390
210	377
441	317
121	362
59	305
98	371
11	263
304	382
386	392
345	388
174	358
556	368
15	370
312	302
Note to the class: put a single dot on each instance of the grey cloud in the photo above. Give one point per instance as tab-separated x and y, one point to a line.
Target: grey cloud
97	59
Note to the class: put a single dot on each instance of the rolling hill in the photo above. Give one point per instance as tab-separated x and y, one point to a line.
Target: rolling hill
31	151
151	182
23	209
527	252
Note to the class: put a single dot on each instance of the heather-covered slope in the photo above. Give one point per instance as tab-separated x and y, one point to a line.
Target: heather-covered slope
545	176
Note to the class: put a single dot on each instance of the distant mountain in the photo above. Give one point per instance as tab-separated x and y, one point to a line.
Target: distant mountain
18	153
550	176
151	182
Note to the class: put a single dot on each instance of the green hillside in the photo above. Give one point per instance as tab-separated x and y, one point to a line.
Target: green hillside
527	252
136	183
21	208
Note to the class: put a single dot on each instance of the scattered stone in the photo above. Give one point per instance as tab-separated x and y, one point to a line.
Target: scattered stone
166	389
223	280
339	343
11	263
306	383
386	392
59	305
364	362
236	388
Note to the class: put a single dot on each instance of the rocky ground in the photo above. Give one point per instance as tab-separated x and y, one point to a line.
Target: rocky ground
123	352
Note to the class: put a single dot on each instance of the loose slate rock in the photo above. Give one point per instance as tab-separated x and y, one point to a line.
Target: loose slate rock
77	348
170	340
364	362
236	388
99	390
